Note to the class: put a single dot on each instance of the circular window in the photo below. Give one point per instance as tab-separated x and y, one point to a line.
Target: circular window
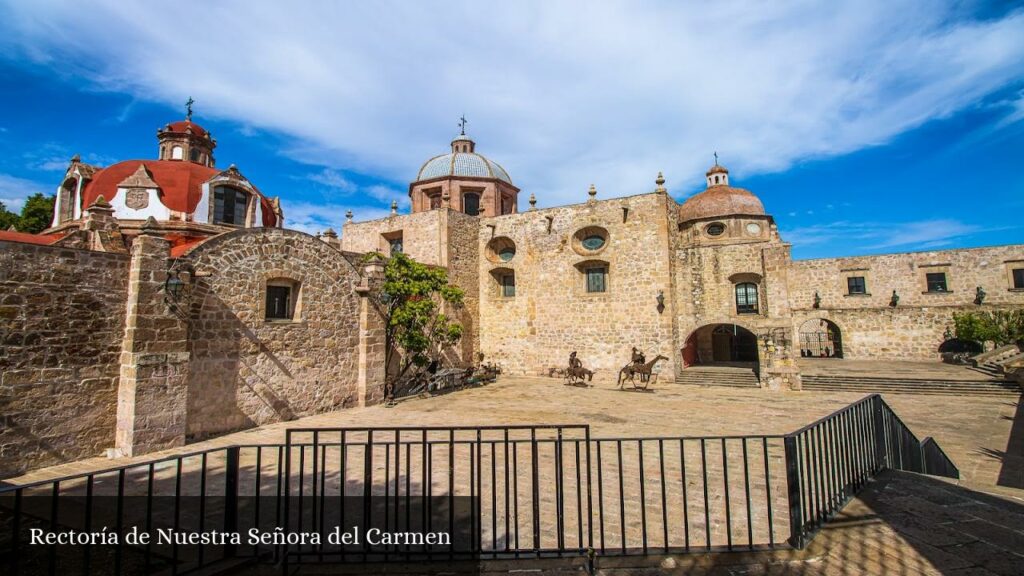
590	240
501	249
715	229
753	228
593	242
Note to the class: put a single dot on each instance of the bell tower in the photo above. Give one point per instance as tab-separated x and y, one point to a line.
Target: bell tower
186	141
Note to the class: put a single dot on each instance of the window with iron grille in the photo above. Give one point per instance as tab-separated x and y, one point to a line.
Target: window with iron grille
856	285
508	285
1018	277
279	303
229	206
746	298
597	278
936	281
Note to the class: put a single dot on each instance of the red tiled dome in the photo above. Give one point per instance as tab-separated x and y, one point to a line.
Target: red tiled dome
183	126
719	201
181	184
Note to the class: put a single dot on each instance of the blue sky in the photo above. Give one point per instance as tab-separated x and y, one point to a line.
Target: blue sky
865	127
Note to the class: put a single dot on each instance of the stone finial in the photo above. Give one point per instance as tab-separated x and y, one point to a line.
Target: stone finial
348	217
533	201
592	192
149	228
394	207
101	202
11	228
660	181
76	158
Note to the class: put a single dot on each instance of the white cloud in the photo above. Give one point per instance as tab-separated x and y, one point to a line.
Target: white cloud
922	235
333	179
561	93
14	191
315	217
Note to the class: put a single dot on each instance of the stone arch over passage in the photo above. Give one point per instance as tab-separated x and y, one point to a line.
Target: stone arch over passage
720	344
820	338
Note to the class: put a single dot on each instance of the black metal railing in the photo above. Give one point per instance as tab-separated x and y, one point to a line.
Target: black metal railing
511	491
829	461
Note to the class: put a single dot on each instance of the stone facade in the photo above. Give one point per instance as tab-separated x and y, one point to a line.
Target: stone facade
552	313
62	314
246	370
694	256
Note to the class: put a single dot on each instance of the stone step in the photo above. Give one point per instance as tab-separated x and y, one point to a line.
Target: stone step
911	386
718	376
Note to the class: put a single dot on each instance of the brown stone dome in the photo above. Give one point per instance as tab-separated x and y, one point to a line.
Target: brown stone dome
718	201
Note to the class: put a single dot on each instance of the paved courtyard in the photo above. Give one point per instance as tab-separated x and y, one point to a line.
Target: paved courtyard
974	431
982	436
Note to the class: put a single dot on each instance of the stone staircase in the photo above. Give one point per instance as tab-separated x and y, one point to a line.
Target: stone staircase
886	385
728	376
999	361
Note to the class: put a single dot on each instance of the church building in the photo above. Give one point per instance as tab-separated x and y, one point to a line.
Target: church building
169	302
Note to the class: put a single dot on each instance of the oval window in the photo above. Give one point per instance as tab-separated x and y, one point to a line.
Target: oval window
593	242
507	254
715	229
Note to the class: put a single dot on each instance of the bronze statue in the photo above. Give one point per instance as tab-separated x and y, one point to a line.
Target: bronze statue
629	371
576	373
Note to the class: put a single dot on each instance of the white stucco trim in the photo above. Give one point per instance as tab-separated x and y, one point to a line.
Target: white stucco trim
258	220
56	208
202	213
77	198
155	207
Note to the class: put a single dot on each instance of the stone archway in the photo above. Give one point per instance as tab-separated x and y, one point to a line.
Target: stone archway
721	344
820	338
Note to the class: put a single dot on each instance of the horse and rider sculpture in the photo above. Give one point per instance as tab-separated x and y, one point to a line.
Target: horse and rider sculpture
638	366
576	374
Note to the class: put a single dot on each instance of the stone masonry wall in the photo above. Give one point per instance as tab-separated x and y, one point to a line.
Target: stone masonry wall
462	259
551	313
61	323
246	370
871	328
422	235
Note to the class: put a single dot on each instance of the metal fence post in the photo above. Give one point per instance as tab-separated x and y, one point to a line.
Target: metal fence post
796	519
230	497
881	446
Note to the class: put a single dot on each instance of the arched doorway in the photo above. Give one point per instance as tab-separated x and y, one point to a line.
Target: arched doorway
720	344
820	338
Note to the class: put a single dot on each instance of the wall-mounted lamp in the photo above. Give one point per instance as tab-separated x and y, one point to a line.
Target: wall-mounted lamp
174	286
817	299
895	300
661	301
979	295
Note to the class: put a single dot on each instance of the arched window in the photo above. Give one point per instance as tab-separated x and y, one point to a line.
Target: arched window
471	203
177	153
746	298
229	206
194	155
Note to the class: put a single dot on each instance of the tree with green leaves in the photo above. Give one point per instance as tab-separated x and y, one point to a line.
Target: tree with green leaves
999	326
413	300
7	218
36	214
